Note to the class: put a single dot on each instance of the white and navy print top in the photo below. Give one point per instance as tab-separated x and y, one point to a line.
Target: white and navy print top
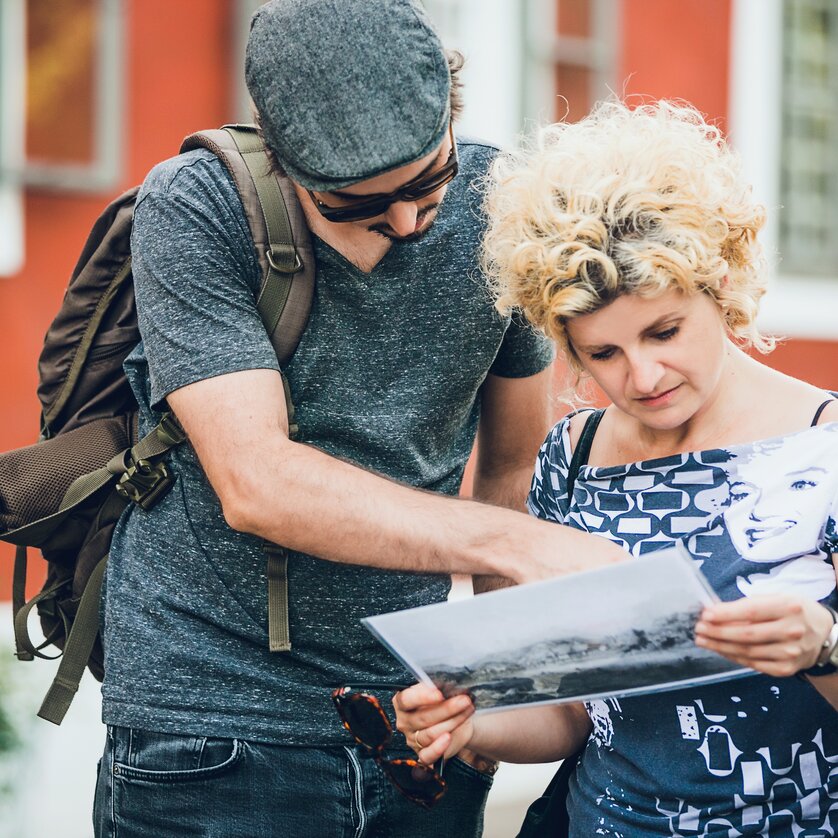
754	756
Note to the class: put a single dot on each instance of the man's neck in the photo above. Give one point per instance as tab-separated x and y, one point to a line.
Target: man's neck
358	245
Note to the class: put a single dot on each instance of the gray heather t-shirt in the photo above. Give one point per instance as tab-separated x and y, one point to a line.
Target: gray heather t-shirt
387	375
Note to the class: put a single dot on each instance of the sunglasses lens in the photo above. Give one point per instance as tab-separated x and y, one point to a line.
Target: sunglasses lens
429	186
370	209
363	717
415	781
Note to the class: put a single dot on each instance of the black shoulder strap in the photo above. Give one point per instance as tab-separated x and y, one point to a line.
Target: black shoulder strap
583	448
820	409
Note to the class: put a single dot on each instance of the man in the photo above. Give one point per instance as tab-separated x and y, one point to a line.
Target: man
209	732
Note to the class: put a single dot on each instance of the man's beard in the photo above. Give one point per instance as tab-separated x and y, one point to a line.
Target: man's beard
387	231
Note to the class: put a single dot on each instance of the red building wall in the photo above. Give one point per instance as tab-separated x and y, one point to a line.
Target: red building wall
178	80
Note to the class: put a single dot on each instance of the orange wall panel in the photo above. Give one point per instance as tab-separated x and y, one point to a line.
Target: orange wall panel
677	50
180	77
178	80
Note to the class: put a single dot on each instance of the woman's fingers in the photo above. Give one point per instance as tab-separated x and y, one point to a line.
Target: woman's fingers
432	724
774	631
778	635
746	651
433	732
434	752
416	696
427	715
757	609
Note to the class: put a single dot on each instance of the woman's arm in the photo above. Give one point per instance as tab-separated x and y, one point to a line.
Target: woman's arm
435	727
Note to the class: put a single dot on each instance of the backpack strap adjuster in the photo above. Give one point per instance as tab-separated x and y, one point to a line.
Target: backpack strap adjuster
277	258
145	483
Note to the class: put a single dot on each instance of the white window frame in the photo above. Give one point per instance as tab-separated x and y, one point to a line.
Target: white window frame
243	11
795	306
11	136
489	35
545	48
105	169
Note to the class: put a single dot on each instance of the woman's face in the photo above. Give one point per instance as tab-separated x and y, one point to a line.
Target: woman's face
659	360
777	504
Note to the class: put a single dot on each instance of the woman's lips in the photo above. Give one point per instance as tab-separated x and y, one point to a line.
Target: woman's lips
659	399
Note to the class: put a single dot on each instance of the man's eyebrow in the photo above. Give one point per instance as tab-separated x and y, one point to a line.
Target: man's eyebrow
350	197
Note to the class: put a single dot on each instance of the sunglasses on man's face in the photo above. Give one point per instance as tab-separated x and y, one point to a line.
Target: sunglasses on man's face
364	718
370	206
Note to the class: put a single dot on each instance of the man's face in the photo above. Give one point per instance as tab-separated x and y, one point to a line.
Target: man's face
409	196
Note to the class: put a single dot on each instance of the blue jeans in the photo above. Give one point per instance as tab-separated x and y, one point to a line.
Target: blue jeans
155	785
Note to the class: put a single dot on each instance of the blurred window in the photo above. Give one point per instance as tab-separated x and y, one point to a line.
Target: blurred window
809	158
11	136
242	13
571	55
73	94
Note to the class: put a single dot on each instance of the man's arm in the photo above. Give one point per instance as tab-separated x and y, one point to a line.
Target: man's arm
514	419
306	500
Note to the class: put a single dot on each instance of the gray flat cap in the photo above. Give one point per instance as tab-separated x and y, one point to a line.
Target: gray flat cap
347	89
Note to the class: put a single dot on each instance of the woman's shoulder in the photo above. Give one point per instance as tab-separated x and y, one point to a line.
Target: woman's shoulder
564	436
788	403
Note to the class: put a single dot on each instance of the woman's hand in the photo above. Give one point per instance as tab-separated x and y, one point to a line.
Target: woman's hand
433	725
778	634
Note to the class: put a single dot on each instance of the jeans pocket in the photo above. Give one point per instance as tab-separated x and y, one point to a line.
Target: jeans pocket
167	758
462	767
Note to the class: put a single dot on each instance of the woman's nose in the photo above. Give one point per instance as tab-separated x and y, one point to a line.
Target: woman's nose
646	374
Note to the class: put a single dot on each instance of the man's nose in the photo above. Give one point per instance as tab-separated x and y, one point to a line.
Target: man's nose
401	216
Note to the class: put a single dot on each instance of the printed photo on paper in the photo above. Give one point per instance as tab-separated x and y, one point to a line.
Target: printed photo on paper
625	629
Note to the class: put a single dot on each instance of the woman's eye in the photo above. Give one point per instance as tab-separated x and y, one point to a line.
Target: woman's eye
668	334
602	355
801	485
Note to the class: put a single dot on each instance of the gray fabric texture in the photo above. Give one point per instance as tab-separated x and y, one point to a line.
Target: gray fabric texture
387	375
328	78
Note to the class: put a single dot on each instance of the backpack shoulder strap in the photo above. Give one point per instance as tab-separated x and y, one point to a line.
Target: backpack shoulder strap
583	448
278	227
283	246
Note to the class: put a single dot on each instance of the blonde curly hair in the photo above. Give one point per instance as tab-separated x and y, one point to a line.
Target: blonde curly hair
627	201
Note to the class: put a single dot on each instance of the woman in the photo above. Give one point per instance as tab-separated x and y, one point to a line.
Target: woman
630	239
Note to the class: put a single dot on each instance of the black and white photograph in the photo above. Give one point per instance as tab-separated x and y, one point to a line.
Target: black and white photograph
615	631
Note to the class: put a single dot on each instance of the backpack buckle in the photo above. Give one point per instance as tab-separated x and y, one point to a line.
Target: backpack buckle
145	483
276	255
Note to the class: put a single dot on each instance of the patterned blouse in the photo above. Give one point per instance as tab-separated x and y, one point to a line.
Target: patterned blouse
753	756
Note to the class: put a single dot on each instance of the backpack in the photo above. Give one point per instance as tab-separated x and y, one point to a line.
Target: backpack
65	493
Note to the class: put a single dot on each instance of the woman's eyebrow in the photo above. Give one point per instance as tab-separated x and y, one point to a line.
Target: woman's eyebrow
671	318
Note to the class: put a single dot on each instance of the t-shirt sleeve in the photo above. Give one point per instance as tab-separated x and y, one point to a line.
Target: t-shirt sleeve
548	493
195	278
524	351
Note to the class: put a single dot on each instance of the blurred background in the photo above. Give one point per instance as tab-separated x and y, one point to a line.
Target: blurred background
94	92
